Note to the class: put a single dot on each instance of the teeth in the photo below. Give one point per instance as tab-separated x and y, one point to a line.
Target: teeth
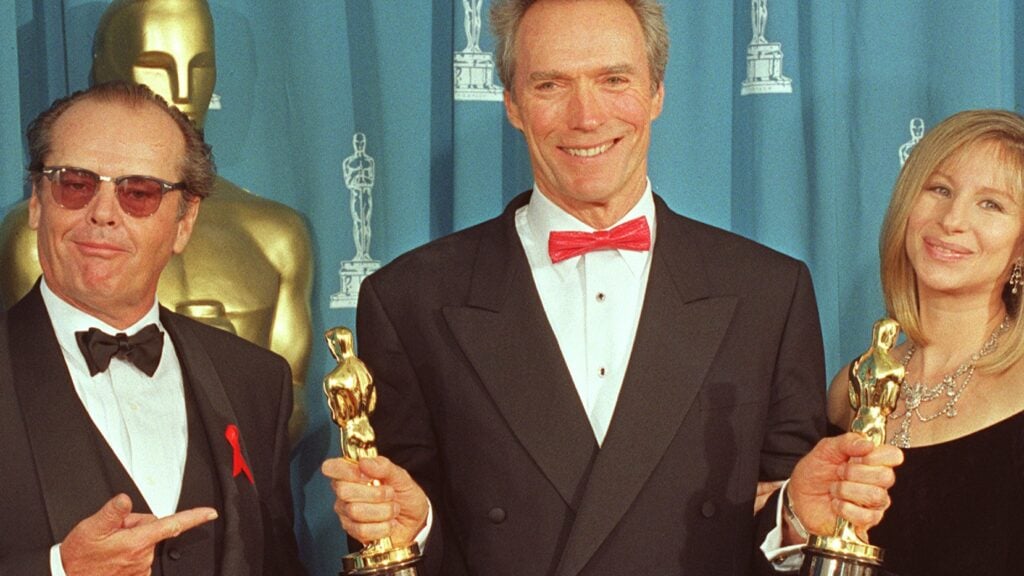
588	152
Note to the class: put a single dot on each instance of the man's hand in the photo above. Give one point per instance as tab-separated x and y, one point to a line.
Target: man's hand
764	491
116	542
844	476
397	507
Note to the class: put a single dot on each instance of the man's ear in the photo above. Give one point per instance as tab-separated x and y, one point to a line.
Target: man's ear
186	224
512	110
33	209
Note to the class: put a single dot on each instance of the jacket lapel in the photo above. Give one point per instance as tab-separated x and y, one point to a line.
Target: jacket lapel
63	437
507	338
243	553
681	327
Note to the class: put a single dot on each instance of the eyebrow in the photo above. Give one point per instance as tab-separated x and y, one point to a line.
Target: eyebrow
1007	194
543	75
1004	194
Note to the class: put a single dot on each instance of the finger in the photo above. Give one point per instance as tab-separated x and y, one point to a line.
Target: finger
406	489
365	533
351	492
759	502
363	513
861	495
881	476
386	472
172	526
380	468
861	518
853	445
341	469
766	488
110	518
764	491
883	455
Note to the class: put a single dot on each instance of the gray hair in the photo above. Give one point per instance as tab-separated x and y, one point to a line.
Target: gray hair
506	16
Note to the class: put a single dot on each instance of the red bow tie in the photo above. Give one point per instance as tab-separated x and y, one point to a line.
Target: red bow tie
632	235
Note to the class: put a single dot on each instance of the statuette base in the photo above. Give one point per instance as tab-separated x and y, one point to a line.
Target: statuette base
394	562
832	556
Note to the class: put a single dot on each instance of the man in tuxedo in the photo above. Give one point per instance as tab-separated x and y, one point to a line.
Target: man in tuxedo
134	440
590	383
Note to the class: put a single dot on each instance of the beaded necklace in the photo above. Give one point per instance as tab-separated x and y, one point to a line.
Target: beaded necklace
951	388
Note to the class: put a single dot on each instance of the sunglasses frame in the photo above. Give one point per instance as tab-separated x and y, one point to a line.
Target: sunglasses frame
53	174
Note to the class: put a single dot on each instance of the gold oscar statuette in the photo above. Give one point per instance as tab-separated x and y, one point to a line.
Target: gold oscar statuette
875	380
352	398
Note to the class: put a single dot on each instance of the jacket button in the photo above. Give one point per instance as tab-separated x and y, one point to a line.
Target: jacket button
497	515
708	509
174	554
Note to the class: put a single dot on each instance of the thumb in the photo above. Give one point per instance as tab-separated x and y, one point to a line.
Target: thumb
853	444
378	468
835	450
390	474
111	517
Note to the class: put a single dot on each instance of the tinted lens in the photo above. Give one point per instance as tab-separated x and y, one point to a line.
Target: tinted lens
139	196
74	189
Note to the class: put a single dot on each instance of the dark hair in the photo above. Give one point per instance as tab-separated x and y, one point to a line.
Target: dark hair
197	167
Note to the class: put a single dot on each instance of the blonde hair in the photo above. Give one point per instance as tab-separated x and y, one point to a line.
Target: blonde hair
899	281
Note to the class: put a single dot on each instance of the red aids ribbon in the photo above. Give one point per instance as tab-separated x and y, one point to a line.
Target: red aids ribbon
632	235
238	465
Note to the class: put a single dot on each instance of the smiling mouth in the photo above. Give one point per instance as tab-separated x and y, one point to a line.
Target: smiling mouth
588	152
946	251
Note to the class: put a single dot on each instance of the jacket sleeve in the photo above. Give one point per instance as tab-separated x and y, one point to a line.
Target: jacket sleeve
402	420
796	415
280	549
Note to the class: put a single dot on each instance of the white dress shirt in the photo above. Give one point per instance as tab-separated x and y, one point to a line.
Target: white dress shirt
141	418
592	301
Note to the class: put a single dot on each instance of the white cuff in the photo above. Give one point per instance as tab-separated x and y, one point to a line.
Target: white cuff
421	537
56	564
783	558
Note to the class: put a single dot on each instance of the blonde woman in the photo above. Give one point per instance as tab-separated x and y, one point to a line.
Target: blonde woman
952	248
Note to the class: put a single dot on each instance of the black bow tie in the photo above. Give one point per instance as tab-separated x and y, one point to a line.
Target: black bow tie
142	349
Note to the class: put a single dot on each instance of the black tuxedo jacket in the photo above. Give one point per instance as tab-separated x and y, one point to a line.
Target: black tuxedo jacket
52	477
725	387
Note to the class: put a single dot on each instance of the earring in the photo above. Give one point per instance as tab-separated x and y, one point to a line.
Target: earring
1016	276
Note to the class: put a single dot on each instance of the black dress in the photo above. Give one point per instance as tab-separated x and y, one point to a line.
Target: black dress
958	507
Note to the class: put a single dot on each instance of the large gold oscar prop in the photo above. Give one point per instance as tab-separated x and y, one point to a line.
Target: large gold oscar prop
875	380
352	398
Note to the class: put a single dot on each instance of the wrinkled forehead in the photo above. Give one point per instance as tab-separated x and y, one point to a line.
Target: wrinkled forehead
95	129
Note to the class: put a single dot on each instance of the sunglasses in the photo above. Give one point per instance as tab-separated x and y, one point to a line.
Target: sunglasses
139	196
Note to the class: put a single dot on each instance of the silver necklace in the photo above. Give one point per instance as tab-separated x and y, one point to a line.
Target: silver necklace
951	388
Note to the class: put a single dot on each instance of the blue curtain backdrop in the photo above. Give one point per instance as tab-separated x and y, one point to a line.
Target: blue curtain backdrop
806	171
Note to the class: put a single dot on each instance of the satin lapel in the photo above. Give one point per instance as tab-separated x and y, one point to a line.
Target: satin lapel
243	553
60	431
681	327
505	334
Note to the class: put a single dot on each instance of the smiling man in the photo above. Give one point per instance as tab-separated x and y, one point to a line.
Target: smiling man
134	440
590	383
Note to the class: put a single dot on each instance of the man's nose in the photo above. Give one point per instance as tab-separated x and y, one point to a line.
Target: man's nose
104	209
586	108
